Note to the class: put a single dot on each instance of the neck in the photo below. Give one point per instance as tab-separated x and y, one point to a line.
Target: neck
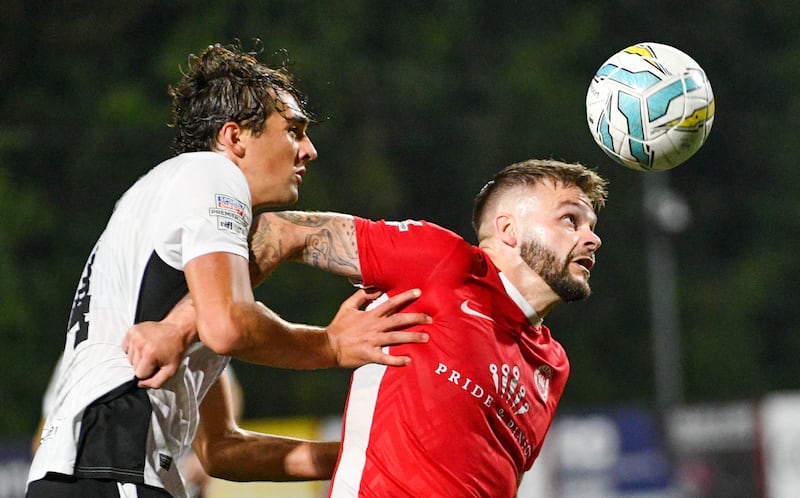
532	287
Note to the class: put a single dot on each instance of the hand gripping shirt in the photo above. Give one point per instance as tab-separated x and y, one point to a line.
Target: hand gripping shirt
101	425
469	415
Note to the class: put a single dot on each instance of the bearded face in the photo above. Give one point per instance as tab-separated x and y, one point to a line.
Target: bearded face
554	272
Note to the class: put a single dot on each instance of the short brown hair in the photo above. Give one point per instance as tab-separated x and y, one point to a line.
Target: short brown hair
535	170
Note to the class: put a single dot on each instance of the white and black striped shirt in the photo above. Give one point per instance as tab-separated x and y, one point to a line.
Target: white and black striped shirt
101	425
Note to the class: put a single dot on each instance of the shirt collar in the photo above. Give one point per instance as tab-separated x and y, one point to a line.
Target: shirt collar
523	304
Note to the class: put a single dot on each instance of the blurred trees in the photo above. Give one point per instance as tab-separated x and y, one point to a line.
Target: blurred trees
419	103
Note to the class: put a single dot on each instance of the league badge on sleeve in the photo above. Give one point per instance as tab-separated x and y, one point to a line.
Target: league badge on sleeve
232	214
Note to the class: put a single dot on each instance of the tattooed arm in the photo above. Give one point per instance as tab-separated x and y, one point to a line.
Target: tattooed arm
323	240
353	338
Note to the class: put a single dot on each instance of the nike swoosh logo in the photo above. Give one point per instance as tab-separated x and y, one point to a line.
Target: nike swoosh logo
469	311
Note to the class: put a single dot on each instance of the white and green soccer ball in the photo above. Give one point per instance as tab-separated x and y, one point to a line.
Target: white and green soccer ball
650	107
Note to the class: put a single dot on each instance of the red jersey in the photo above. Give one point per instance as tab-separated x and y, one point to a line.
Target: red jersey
469	415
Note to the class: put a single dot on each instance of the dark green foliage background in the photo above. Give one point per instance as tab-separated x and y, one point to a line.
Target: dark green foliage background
420	103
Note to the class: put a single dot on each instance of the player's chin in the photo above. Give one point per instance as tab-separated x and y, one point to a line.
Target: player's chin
292	194
284	199
577	290
576	294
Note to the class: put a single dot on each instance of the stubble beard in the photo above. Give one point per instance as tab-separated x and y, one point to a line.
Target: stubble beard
554	272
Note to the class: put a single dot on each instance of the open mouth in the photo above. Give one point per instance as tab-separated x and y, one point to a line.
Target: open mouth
586	262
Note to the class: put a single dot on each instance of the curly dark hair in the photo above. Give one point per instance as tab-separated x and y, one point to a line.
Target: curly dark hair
226	84
535	170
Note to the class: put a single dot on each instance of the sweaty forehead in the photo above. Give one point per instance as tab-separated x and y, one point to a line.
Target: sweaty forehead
573	196
290	109
288	102
552	195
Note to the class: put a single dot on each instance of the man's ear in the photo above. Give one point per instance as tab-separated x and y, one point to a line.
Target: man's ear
229	139
506	229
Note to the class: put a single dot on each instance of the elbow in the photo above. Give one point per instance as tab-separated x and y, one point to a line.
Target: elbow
215	456
215	466
220	336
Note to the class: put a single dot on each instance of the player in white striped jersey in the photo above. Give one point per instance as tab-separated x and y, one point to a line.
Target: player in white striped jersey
242	145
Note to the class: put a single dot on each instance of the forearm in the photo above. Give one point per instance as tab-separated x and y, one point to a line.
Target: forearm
265	338
229	452
320	239
354	337
251	456
231	322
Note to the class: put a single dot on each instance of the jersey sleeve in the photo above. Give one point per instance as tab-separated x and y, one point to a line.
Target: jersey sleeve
401	254
210	211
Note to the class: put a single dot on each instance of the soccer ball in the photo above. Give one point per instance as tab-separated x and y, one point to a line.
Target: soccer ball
650	107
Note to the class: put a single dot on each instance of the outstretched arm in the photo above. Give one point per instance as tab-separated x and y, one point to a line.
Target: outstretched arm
323	240
228	452
353	338
231	322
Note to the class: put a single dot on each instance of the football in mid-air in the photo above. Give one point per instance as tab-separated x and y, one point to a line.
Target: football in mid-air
650	107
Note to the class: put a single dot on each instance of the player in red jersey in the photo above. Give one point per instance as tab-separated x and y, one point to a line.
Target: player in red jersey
469	414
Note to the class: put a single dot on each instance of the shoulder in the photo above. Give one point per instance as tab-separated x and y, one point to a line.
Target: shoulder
412	244
203	164
195	173
411	229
